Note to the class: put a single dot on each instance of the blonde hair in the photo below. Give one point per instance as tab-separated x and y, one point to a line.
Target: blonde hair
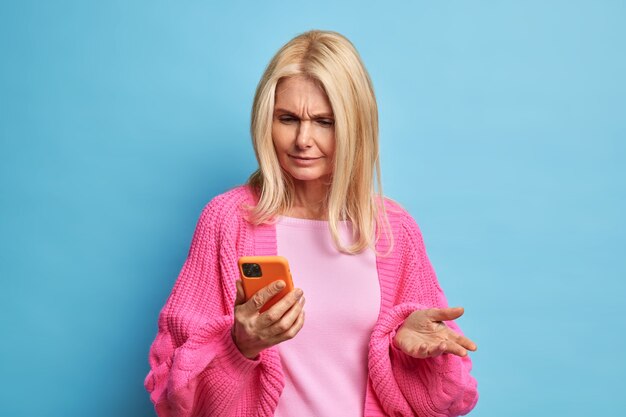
332	61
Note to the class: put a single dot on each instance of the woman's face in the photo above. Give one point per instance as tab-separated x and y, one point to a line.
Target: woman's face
303	129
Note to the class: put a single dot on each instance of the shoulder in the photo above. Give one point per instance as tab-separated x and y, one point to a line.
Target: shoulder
228	206
396	213
232	198
402	223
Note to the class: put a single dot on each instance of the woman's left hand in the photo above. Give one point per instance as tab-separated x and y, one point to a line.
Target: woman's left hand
424	334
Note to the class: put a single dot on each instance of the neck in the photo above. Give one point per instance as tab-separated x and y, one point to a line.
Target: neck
309	200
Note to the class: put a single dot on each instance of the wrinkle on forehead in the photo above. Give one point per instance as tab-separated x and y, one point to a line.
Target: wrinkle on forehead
308	97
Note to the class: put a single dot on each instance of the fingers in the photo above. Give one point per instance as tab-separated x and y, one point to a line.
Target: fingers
258	300
465	342
455	348
241	297
287	301
293	330
254	331
425	350
276	312
442	314
288	319
429	350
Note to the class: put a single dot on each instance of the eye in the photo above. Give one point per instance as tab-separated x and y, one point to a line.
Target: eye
287	119
326	122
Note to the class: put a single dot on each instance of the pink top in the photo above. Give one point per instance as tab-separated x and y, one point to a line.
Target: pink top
196	369
325	365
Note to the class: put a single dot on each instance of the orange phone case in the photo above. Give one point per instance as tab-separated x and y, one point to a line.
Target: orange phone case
273	268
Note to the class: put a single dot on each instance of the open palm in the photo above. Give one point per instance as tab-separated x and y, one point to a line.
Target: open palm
424	334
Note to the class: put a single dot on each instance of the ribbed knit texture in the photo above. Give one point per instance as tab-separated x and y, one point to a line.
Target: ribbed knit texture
196	369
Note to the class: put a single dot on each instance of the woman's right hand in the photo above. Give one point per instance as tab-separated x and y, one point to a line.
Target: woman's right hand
254	331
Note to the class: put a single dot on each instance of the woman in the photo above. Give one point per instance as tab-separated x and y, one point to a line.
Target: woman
379	338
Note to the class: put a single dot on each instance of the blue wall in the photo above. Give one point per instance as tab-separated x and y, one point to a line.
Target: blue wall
503	132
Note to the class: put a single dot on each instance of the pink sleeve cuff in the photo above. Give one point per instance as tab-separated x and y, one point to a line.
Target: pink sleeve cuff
232	361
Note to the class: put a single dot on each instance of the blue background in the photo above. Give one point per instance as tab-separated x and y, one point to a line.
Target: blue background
502	131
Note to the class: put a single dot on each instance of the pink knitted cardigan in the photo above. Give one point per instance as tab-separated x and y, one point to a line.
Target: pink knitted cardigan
196	369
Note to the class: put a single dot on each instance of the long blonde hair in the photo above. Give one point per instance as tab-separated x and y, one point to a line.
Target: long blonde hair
330	59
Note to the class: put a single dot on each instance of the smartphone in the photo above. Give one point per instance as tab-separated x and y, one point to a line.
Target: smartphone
257	272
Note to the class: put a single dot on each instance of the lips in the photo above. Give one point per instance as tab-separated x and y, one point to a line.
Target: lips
304	161
305	158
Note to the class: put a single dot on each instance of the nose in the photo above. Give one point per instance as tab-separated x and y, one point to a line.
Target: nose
304	138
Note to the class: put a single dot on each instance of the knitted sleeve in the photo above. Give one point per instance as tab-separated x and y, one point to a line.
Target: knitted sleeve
195	367
439	386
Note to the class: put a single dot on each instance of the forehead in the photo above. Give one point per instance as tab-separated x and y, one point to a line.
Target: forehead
301	93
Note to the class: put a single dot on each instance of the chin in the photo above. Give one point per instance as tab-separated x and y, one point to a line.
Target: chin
303	177
306	175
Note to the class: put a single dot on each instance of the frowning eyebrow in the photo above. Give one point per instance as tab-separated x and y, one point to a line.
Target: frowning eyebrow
315	116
